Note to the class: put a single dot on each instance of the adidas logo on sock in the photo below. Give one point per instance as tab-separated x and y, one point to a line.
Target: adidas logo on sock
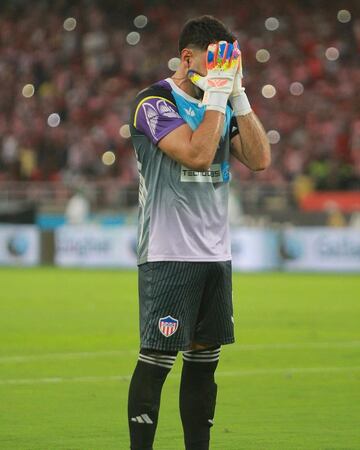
143	418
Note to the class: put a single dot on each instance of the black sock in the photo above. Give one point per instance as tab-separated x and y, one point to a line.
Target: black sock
198	396
144	396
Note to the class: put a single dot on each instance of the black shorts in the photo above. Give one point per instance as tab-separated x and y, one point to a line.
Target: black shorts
185	302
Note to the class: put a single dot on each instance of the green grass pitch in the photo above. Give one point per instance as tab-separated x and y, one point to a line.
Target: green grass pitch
69	339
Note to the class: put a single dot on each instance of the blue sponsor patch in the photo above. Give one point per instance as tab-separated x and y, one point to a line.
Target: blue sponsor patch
225	170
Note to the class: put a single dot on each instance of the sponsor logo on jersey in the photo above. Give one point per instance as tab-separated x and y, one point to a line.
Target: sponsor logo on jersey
217	173
152	113
168	326
167	110
225	170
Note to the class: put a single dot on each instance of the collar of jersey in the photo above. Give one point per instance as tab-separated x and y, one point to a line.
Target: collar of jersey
182	93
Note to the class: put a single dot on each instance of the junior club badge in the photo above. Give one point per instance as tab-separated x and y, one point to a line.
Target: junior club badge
168	326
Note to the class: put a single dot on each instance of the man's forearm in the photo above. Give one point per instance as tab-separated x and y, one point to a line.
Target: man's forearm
205	139
254	148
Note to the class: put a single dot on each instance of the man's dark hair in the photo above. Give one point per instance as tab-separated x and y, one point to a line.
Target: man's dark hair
202	31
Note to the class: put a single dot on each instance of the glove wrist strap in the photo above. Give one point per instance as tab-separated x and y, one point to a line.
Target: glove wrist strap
240	104
216	101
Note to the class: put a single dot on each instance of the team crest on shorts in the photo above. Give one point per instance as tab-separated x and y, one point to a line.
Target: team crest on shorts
168	326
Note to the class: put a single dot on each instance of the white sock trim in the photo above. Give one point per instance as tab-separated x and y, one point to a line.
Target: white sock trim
207	355
202	352
202	355
166	361
201	360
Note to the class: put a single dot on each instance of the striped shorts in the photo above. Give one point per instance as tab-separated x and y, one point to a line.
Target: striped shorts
185	302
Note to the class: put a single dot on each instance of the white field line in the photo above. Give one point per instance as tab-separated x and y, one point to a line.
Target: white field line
68	355
241	373
236	347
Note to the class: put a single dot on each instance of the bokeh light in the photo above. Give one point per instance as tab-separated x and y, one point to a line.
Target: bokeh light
272	23
344	16
273	136
125	131
173	64
332	53
268	91
28	90
133	38
69	24
262	55
108	158
140	21
53	120
296	88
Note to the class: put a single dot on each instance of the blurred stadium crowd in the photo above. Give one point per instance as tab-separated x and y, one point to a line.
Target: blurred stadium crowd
69	71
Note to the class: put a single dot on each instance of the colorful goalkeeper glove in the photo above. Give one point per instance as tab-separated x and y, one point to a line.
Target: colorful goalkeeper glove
238	98
222	61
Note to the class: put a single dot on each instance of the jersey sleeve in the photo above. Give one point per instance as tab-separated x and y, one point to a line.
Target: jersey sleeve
156	114
234	129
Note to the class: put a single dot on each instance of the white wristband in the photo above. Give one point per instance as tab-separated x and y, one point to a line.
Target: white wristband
240	104
216	101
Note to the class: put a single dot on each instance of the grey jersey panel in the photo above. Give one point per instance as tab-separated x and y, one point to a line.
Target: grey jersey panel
183	214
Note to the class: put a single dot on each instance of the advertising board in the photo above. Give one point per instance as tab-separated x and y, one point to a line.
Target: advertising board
321	249
19	245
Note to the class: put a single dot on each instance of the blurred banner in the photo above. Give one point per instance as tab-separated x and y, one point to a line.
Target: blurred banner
95	246
19	245
322	249
253	249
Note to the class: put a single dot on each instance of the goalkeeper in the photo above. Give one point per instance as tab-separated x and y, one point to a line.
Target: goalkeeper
183	130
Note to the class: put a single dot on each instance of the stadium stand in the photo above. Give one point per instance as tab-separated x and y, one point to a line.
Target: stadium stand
66	86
